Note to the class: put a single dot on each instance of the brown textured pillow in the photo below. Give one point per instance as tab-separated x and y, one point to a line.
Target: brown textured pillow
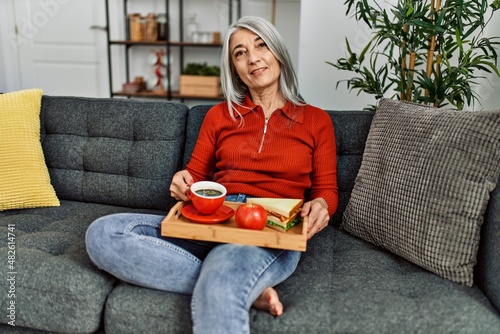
424	183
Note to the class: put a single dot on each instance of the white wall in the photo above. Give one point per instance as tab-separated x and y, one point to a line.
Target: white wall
314	31
9	65
3	77
324	27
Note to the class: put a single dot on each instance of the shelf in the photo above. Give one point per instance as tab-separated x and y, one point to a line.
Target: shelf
178	45
174	95
163	43
149	93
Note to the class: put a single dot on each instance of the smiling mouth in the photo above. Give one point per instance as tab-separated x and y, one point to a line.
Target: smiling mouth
258	71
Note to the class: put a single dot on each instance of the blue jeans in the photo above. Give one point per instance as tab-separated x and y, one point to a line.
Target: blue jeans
224	279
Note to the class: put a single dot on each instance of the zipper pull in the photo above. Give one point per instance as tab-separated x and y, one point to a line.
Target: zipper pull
263	134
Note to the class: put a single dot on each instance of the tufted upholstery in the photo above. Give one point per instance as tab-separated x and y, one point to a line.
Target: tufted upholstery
57	287
113	151
104	156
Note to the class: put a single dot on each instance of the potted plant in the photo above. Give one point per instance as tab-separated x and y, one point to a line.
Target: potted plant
200	80
424	51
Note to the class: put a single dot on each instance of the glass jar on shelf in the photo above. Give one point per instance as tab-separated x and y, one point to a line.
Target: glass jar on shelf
150	27
191	29
136	27
162	27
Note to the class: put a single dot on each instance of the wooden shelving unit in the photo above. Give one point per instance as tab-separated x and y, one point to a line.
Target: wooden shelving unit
168	44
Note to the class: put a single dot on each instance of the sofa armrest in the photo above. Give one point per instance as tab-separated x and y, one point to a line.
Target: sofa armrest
487	270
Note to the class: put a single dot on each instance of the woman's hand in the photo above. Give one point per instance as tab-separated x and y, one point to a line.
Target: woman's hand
317	213
181	182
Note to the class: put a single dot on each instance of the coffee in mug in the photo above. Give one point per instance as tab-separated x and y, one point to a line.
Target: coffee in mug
207	196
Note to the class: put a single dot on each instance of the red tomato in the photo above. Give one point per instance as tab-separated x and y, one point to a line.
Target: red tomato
251	216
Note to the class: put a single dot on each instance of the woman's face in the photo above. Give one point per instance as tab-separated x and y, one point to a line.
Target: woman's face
255	64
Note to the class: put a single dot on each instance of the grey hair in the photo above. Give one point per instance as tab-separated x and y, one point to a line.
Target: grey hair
233	89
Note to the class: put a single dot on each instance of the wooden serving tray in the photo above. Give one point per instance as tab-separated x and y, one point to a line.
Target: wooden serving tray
176	225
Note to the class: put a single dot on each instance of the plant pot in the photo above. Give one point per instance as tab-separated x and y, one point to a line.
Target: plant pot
201	86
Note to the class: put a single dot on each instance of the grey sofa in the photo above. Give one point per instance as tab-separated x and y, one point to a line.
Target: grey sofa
110	155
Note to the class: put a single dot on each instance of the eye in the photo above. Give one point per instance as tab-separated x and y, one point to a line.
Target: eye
262	45
238	54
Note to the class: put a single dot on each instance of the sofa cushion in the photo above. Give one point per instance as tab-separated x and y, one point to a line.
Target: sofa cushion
342	285
356	287
424	184
113	151
131	309
57	288
24	178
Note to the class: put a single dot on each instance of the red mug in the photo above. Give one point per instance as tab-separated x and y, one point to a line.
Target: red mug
207	196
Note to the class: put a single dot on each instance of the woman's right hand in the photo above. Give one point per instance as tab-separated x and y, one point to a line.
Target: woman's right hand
181	182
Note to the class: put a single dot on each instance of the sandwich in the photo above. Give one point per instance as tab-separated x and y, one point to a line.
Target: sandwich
282	213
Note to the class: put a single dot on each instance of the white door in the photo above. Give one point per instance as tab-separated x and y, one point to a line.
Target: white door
62	46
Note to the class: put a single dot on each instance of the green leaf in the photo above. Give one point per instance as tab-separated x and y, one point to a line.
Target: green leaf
458	29
201	69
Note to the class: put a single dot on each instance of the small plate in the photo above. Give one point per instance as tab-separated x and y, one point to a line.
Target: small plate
223	214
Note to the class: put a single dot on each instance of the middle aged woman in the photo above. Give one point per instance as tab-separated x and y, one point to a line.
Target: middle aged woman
263	141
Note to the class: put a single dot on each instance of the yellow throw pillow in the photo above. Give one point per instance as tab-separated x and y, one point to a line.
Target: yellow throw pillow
24	177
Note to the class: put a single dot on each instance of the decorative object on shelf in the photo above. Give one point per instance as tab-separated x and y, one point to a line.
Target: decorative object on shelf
202	37
143	28
191	29
216	37
200	80
159	61
428	52
135	27
162	27
130	88
150	27
134	87
141	83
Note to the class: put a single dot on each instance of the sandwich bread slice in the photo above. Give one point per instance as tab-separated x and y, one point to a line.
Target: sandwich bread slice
282	213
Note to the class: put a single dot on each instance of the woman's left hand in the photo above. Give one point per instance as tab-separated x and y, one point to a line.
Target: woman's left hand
317	213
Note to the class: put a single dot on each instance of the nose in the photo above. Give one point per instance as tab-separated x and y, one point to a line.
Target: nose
253	56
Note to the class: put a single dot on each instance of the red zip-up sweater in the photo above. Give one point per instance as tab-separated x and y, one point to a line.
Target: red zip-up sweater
290	155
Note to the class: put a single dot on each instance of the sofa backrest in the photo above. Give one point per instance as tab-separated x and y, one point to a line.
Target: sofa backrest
113	151
194	121
351	130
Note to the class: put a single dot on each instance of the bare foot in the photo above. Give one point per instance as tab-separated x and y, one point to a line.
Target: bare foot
269	301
